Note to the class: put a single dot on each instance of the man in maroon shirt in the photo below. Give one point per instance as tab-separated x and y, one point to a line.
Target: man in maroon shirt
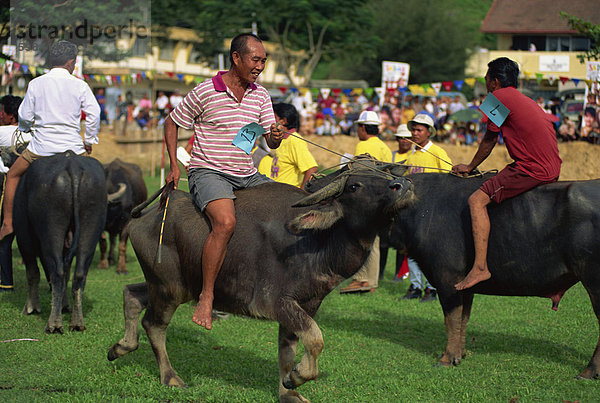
531	142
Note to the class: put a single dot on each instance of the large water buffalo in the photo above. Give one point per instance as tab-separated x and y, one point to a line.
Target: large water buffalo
541	243
59	213
126	182
289	250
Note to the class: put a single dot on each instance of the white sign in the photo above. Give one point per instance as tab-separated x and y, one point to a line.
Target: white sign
592	71
554	63
394	74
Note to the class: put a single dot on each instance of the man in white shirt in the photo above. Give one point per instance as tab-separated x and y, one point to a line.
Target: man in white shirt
51	109
175	99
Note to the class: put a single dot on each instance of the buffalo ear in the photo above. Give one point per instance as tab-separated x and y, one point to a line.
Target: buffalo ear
316	220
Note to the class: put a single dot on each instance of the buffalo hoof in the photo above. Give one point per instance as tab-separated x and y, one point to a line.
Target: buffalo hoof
52	329
103	264
118	350
291	396
447	361
588	373
293	379
173	380
77	327
30	309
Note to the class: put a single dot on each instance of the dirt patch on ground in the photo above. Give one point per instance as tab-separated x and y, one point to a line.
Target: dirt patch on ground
580	160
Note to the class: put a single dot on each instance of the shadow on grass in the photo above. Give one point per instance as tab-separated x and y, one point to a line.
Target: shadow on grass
194	358
427	336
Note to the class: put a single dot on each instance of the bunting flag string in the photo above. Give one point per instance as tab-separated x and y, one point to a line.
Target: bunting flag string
427	89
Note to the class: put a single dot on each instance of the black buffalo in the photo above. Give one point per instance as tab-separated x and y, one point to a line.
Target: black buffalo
126	182
541	243
59	214
281	262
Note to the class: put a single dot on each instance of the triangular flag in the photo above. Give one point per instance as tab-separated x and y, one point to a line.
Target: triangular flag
25	68
170	74
576	81
325	92
539	77
282	89
294	90
314	91
336	91
188	79
369	92
459	84
108	79
357	91
303	90
133	77
150	74
347	91
551	80
481	80
447	85
470	82
180	77
93	77
118	79
197	80
437	87
563	79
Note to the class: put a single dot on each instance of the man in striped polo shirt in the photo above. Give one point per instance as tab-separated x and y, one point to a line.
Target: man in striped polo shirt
217	109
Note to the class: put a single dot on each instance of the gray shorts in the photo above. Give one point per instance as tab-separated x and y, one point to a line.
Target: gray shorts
208	185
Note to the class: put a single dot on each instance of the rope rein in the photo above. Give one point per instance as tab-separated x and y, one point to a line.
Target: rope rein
355	160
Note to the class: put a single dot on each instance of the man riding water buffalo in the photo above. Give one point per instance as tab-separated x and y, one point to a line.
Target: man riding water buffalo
531	142
217	110
52	109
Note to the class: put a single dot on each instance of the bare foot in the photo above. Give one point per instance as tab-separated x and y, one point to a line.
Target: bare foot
203	313
476	275
6	229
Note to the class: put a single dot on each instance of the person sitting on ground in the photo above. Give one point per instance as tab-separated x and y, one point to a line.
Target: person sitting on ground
52	109
217	109
367	278
425	157
530	140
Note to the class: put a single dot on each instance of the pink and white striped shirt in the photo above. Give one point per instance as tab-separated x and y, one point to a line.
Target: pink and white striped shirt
214	113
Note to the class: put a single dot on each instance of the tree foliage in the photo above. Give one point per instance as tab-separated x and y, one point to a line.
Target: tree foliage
435	37
591	31
303	30
93	25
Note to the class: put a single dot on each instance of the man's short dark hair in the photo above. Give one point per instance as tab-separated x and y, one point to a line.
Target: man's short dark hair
61	52
372	130
11	105
505	70
239	44
289	112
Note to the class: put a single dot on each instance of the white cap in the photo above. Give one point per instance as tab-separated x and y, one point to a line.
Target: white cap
369	118
422	119
403	132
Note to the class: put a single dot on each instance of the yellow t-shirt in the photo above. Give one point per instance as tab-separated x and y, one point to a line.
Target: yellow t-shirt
264	166
398	157
424	161
292	159
374	147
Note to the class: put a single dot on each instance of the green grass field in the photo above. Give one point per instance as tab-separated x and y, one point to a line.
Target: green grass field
377	349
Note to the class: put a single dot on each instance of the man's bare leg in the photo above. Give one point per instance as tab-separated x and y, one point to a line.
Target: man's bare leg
481	232
12	180
221	214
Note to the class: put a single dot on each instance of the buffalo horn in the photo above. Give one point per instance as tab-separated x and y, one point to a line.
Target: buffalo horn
334	189
114	196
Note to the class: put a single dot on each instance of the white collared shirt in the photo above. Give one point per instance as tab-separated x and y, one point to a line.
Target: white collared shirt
52	107
6	139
